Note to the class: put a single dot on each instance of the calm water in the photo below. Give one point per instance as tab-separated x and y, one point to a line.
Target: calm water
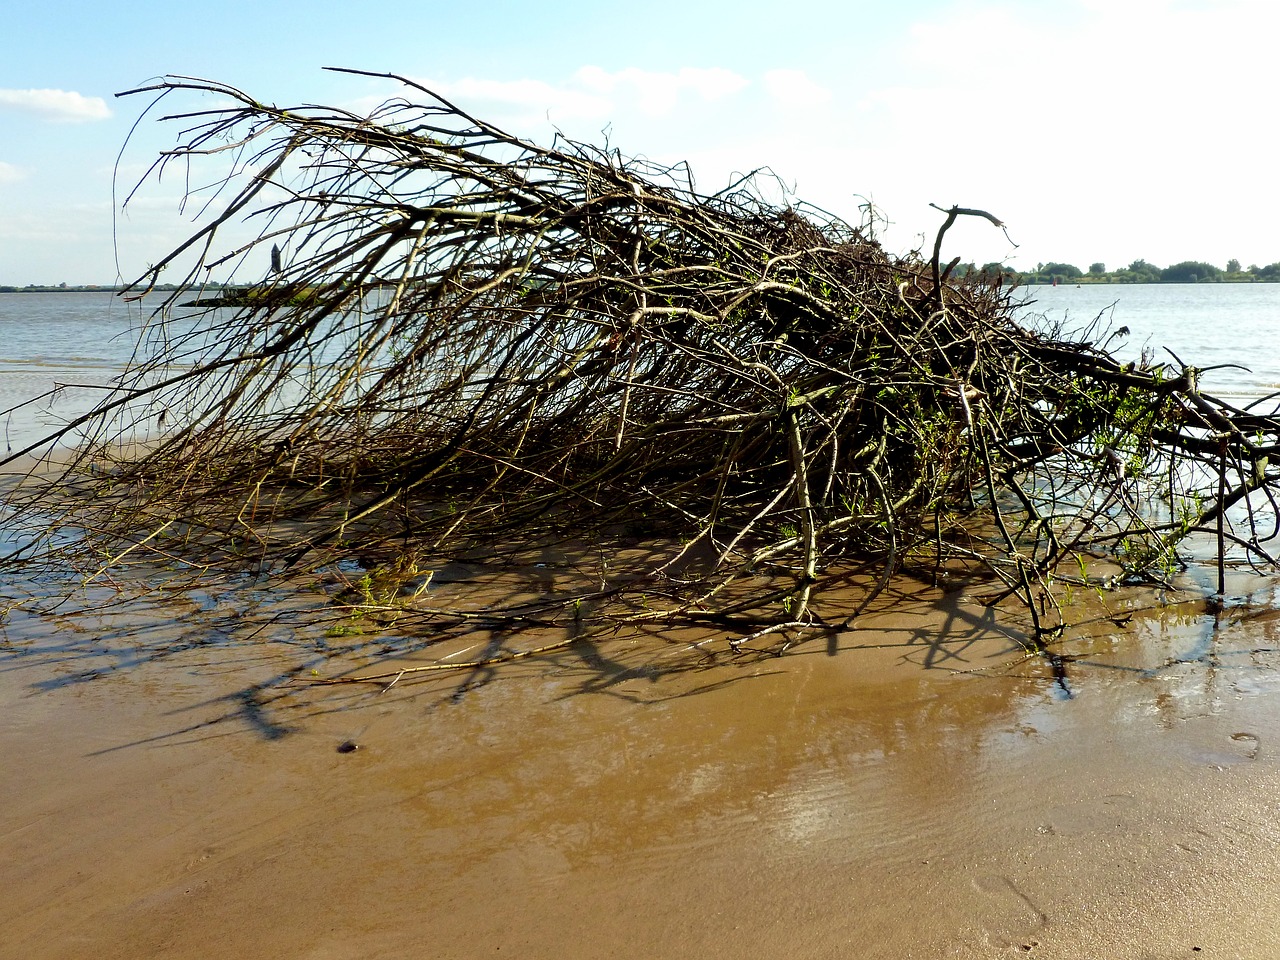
80	341
76	342
1205	324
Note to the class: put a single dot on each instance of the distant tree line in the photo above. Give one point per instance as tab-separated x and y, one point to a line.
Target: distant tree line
82	287
1188	271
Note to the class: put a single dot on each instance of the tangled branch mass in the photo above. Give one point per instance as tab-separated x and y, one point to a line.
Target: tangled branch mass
563	364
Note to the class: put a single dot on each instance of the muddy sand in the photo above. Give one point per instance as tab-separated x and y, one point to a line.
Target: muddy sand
912	788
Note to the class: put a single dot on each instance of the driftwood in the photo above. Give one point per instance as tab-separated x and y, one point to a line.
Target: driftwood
459	345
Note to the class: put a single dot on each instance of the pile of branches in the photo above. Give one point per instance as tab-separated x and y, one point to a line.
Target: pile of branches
463	345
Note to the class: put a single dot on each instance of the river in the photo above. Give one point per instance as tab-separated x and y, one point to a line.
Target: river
64	350
59	355
1231	326
85	337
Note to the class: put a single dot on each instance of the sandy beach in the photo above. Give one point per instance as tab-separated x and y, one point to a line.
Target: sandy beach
914	788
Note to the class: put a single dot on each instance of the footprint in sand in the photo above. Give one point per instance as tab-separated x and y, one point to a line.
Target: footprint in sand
1013	917
1249	743
1243	748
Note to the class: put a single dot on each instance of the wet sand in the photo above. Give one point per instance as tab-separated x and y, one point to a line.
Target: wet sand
914	788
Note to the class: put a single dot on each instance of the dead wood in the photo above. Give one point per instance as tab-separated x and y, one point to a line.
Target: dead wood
457	345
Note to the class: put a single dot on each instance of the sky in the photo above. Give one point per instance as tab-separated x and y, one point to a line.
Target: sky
1097	130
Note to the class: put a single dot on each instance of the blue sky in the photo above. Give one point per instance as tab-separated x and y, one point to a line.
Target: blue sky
1103	130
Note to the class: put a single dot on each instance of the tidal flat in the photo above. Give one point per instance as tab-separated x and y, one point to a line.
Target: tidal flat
914	786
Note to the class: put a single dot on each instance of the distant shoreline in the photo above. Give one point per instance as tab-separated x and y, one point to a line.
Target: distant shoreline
1025	280
80	288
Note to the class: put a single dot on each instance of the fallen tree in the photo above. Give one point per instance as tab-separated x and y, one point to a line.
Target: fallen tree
461	345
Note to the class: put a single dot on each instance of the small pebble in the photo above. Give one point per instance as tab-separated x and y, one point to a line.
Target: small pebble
348	746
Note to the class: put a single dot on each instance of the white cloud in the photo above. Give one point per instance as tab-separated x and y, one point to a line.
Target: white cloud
589	94
794	89
10	174
1098	130
657	93
537	95
1120	57
64	106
